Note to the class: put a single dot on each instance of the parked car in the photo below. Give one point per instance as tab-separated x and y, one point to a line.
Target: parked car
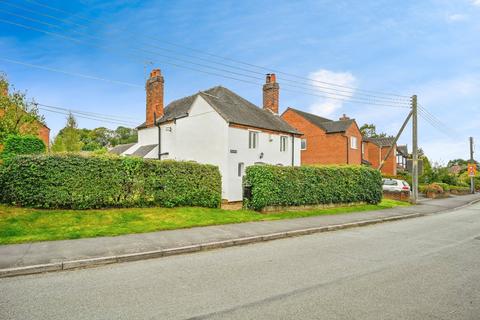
395	185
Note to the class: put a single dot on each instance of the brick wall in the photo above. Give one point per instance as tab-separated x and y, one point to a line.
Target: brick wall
375	156
323	148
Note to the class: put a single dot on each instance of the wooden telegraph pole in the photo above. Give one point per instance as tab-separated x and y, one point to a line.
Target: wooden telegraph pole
415	150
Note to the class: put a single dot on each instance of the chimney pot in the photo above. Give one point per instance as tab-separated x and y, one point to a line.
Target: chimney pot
344	117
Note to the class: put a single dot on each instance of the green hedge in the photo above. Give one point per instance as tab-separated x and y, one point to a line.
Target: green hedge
16	144
311	185
84	182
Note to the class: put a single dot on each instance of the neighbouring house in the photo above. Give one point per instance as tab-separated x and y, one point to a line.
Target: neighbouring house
376	149
402	157
326	141
43	131
216	126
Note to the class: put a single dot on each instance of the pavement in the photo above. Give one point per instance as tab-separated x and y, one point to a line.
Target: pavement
423	268
19	259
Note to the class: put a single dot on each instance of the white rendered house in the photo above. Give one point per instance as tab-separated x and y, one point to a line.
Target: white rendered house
218	127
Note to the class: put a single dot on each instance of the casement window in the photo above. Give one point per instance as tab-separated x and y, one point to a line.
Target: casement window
252	139
241	169
353	143
303	144
283	143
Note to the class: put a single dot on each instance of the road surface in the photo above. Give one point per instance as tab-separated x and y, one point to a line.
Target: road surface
423	268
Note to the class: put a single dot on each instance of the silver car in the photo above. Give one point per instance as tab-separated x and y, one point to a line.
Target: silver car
395	185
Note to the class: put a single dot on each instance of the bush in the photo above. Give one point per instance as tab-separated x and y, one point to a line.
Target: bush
432	188
444	186
311	185
16	144
84	182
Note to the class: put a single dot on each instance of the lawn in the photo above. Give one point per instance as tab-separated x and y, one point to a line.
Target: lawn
18	225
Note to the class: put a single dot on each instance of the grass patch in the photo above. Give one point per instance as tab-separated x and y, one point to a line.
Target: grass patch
19	225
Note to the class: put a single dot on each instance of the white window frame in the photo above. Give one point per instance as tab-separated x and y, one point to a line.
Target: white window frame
253	143
363	147
241	169
303	144
352	144
283	143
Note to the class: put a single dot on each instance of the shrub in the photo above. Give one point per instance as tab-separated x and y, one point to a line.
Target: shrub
16	144
444	186
311	185
433	188
83	182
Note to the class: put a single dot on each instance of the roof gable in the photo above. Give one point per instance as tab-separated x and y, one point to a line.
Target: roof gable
231	107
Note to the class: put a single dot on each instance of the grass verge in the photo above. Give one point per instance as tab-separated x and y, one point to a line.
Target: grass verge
19	225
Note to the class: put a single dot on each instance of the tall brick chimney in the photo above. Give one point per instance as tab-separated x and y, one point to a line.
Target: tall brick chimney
154	88
344	117
271	91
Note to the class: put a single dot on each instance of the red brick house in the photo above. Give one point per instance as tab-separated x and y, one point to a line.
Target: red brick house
326	141
375	151
43	131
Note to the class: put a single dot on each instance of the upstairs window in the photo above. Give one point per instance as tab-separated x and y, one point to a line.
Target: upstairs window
303	144
252	140
283	143
353	143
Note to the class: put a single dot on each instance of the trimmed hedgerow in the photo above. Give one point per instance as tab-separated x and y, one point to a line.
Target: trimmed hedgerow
311	185
17	144
84	182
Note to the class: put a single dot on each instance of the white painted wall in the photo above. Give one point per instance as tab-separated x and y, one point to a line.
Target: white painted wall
201	137
267	151
205	137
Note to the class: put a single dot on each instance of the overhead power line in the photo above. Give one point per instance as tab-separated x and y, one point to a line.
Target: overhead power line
70	73
326	95
303	84
343	93
99	116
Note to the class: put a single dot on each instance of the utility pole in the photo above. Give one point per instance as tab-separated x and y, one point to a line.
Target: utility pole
415	150
472	179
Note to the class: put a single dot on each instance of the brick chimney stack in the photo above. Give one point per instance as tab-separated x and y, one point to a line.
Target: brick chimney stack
154	88
344	117
271	92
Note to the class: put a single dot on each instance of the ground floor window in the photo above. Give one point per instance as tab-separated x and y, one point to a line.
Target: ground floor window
241	169
303	144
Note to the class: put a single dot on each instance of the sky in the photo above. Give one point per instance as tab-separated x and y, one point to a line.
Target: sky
105	49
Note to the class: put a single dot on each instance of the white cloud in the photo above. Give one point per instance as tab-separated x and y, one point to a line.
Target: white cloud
476	2
456	17
327	106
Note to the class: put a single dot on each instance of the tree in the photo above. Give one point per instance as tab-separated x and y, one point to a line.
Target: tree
17	115
370	131
68	139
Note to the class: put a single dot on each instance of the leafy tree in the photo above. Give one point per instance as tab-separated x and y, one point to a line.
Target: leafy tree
370	131
17	115
68	139
124	135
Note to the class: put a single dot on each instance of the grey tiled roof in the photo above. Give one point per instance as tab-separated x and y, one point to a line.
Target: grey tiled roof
403	150
232	107
143	150
381	142
329	126
121	148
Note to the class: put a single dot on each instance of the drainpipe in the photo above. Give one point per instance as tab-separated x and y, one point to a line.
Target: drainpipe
159	136
293	150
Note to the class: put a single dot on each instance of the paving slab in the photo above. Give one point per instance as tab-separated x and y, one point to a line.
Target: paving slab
154	244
